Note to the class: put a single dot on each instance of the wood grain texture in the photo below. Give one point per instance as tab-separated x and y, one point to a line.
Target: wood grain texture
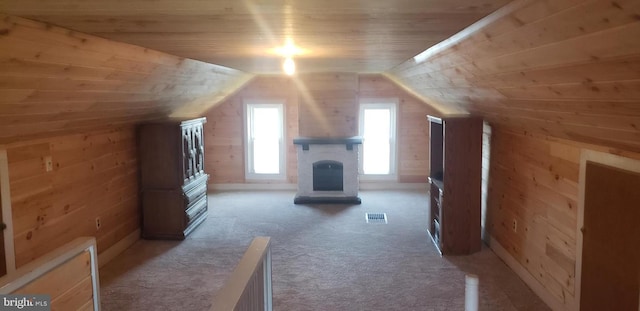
461	209
533	179
224	129
412	126
328	105
67	284
610	213
54	81
566	68
337	35
74	298
95	174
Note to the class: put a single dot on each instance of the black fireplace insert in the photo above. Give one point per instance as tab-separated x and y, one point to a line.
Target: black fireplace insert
327	176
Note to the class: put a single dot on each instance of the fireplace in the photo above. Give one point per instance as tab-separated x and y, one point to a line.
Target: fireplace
328	170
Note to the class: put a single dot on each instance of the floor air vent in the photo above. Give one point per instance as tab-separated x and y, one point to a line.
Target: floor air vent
376	218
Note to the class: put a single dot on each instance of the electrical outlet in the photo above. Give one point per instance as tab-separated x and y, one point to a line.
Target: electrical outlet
515	225
98	223
48	163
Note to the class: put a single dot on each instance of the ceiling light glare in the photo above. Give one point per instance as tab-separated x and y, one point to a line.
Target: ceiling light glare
289	66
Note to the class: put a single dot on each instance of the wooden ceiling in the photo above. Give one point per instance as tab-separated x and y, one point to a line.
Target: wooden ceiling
336	35
565	68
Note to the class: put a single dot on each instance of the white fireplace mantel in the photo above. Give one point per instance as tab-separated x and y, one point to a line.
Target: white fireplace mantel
313	150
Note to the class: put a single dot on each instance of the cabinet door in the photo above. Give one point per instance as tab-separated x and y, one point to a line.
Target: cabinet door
192	151
199	148
187	153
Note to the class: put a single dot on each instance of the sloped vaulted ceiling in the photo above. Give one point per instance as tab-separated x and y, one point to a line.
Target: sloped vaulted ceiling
54	80
566	68
334	35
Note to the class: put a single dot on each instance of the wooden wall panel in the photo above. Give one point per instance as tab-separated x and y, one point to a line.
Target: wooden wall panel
94	174
224	141
328	105
533	180
224	132
412	126
566	68
68	285
552	78
54	80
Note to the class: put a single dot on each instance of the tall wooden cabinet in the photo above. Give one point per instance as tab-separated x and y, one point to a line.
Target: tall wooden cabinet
455	184
173	180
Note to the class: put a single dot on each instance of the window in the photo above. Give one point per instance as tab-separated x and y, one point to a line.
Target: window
264	140
378	128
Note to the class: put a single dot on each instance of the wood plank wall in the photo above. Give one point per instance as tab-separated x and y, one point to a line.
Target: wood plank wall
552	78
533	179
69	285
412	126
95	174
328	104
565	68
54	80
224	129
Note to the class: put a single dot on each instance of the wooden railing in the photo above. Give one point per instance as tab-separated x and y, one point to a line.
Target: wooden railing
249	287
69	275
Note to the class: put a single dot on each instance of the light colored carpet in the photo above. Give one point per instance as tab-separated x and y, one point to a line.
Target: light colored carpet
325	257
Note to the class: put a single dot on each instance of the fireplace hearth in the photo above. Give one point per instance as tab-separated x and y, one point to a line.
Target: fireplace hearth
328	170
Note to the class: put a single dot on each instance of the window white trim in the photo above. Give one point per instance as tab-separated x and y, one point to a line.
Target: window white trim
248	159
380	103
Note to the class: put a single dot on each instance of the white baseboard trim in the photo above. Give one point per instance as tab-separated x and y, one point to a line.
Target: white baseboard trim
371	185
250	187
363	186
115	250
528	279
